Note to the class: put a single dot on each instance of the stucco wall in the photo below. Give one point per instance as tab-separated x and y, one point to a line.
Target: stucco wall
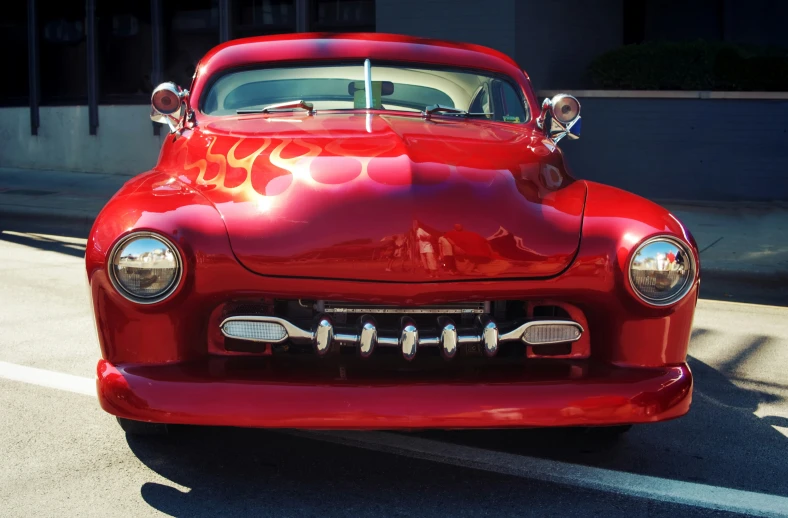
124	144
685	149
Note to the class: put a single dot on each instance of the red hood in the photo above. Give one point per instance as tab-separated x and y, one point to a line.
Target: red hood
352	196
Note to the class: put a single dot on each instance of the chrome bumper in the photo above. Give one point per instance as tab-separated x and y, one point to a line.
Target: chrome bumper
366	337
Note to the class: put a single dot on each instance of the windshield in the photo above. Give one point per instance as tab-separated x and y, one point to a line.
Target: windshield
341	87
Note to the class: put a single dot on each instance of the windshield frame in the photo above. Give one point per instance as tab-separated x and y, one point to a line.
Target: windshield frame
518	88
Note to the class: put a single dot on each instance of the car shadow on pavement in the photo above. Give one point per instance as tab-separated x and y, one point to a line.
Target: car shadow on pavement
720	442
43	240
244	472
749	288
64	238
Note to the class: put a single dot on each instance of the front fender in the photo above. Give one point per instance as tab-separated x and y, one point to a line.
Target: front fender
158	332
615	222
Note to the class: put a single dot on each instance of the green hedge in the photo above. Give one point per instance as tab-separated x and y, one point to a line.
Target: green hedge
691	66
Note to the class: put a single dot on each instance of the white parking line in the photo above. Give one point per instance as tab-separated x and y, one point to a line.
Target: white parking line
629	484
598	479
727	305
45	378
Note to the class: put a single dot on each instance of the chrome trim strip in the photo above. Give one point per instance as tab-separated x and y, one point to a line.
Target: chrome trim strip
330	306
346	339
388	341
410	311
469	339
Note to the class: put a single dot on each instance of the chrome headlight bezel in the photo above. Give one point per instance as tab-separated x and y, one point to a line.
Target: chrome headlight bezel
689	282
122	290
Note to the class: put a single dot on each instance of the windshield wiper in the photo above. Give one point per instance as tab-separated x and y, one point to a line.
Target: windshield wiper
448	110
287	105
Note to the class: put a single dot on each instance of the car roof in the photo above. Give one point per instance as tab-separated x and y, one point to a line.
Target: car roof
305	47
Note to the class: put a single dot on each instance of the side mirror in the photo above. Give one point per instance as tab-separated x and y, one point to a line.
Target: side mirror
560	117
167	105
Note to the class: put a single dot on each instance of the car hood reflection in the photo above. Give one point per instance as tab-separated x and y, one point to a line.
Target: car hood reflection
386	198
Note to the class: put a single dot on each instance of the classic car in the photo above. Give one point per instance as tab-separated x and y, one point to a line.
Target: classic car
371	231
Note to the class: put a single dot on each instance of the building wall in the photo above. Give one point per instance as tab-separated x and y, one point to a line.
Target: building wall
754	22
490	23
125	143
685	149
553	40
757	22
557	39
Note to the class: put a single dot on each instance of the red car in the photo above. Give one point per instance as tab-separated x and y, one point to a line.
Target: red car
370	231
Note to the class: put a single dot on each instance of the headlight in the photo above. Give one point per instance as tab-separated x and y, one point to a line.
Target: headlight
662	271
145	267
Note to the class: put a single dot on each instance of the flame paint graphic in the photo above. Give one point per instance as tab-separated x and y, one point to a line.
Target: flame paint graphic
220	180
297	166
300	169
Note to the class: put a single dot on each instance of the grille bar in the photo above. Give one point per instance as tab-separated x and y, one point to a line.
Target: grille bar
457	308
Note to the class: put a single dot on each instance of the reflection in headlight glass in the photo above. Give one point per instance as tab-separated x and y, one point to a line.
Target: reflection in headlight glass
662	271
145	267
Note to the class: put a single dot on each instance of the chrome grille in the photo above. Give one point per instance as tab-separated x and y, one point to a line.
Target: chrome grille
409	339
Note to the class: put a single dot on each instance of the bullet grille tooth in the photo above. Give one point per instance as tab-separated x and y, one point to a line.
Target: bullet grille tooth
448	338
409	339
490	339
324	335
368	337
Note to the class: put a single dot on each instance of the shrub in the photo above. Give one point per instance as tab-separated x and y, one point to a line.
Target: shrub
696	65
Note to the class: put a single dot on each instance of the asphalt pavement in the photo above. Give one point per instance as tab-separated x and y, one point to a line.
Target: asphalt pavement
62	455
